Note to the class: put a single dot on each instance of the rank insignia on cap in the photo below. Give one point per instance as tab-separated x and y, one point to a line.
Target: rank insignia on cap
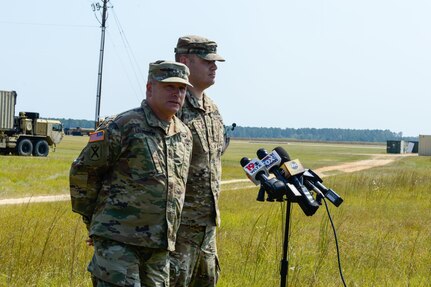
97	136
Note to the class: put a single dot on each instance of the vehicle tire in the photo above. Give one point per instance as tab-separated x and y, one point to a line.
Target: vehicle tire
24	147
41	148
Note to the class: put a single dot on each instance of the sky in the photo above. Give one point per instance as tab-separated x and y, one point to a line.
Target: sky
289	63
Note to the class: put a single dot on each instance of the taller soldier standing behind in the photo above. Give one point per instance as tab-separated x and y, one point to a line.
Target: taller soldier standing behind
194	261
128	184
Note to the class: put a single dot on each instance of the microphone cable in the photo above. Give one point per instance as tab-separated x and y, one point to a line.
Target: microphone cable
336	243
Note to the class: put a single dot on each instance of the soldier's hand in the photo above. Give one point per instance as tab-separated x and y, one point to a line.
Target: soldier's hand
89	242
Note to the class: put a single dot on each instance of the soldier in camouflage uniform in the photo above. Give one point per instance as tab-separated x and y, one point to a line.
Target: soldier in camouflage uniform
128	184
194	261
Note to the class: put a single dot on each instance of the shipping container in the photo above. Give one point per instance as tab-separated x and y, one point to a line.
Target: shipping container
395	146
7	109
424	145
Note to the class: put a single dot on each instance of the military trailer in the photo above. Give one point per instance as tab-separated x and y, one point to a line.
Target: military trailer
26	134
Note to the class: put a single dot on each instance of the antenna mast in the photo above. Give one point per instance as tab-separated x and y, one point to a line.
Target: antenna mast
102	48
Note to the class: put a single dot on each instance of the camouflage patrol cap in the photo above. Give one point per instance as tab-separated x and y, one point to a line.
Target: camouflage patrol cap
200	46
169	72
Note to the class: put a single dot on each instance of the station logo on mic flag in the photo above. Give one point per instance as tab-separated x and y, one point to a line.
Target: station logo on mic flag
294	165
253	166
270	160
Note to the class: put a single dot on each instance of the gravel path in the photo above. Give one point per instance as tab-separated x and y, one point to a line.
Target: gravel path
377	160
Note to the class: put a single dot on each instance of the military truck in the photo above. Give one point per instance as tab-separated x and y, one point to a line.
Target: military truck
78	131
26	134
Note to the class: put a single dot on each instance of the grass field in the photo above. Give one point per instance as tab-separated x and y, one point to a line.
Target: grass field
383	226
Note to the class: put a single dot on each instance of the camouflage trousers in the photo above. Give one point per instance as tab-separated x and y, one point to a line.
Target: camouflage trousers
194	262
118	264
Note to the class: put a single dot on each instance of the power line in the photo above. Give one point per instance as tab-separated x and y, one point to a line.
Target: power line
124	65
47	24
132	59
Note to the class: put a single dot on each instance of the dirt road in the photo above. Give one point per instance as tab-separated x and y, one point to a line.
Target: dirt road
376	160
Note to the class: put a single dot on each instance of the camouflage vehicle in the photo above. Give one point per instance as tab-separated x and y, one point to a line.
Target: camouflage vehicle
26	134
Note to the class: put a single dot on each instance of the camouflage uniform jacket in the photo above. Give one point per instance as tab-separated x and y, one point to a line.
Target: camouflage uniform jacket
128	183
203	185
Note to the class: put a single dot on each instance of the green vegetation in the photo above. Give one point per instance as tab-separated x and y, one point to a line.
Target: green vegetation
311	155
310	134
72	123
31	176
325	134
42	244
383	232
383	225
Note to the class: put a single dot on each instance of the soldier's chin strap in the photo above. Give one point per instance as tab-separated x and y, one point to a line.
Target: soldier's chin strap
227	134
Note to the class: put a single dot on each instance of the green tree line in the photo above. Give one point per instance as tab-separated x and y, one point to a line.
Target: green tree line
71	123
323	134
312	134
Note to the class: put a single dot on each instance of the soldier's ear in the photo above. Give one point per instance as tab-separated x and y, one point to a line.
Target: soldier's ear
183	59
149	89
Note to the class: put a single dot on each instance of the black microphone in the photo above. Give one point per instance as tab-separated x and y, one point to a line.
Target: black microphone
227	137
312	179
258	174
272	162
292	170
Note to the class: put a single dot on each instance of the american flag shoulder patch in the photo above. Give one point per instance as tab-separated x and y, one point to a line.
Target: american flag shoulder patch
97	136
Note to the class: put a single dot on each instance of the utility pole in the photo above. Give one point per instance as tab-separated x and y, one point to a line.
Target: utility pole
102	48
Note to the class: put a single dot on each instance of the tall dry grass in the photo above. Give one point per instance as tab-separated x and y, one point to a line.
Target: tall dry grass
382	226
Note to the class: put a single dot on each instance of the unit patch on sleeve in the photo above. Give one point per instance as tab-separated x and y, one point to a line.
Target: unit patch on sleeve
97	136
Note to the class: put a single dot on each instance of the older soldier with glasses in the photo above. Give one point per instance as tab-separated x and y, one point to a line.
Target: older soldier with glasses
128	184
194	261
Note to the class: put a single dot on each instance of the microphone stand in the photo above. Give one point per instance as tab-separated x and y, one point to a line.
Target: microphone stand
284	268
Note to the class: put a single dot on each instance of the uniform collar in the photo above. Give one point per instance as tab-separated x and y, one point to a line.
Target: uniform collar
154	121
207	107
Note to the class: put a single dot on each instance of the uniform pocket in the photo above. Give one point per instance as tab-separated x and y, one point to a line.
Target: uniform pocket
218	132
145	157
199	128
114	262
180	151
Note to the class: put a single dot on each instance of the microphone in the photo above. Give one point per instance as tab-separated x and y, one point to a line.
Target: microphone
272	162
289	167
227	137
255	170
312	179
258	174
292	171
